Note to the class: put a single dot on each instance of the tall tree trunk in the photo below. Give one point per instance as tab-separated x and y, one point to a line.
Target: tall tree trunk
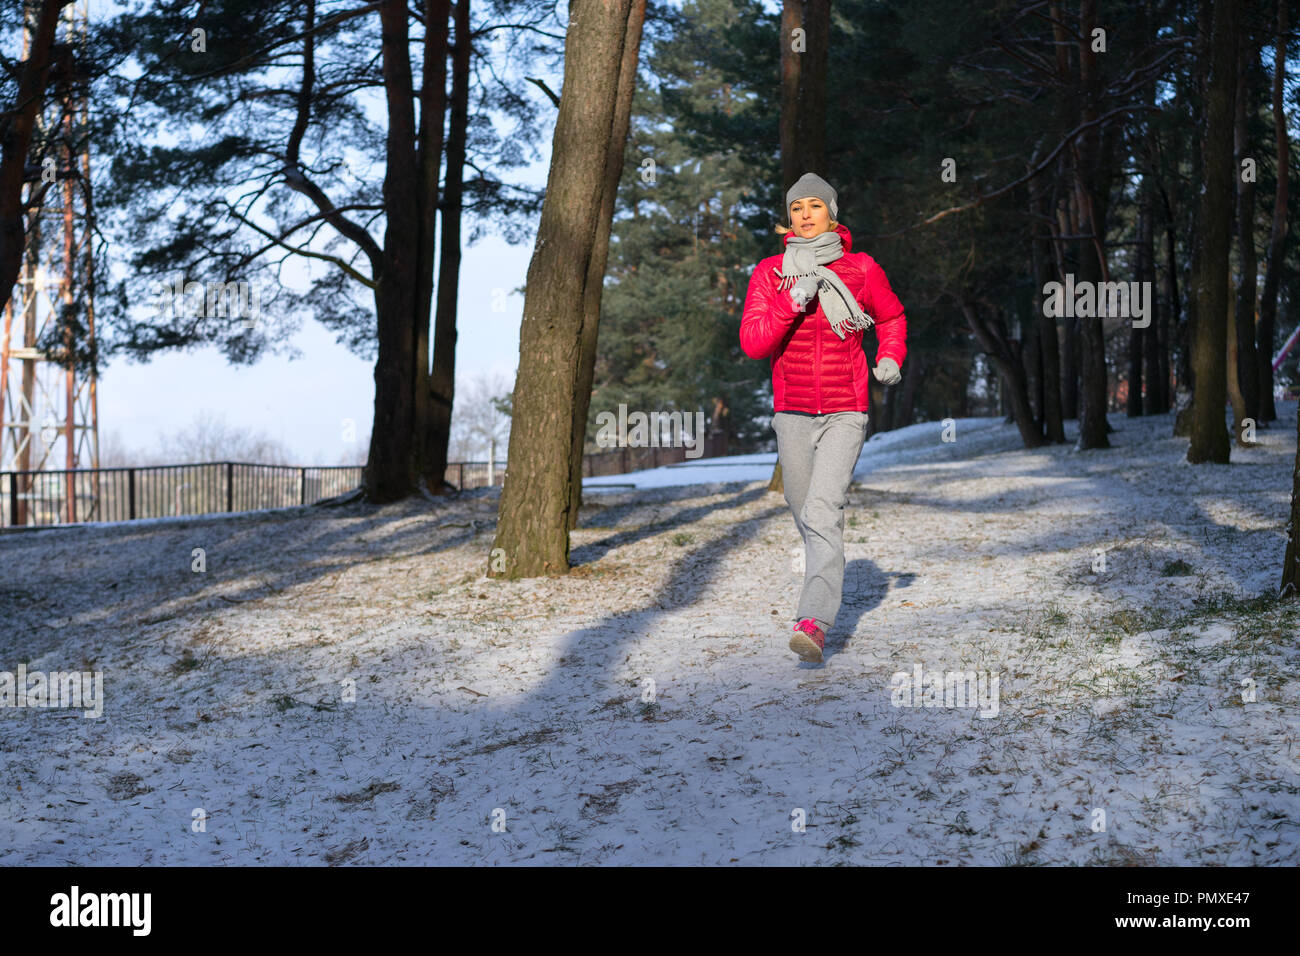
600	253
1053	427
442	381
1235	397
791	68
1033	352
1136	337
803	105
390	472
1067	225
1185	401
1277	237
1152	342
1170	311
1290	585
1246	365
432	430
911	378
533	530
1146	368
811	112
890	411
1092	195
1209	440
1177	332
33	80
876	399
1067	117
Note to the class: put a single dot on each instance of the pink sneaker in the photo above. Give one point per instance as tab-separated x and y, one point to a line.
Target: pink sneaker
808	641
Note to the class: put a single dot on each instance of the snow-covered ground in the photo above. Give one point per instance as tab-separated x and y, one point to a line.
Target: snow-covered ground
645	708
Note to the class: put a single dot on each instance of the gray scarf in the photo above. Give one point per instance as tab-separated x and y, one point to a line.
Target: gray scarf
808	257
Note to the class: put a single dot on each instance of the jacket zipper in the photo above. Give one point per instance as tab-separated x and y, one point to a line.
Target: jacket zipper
817	368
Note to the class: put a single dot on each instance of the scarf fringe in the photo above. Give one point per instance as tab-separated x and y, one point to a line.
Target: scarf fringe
787	281
842	311
853	323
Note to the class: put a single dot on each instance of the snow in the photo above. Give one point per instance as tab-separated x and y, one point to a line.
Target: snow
917	442
526	701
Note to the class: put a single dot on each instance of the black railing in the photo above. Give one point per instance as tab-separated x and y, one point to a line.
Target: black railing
44	498
475	474
69	496
626	459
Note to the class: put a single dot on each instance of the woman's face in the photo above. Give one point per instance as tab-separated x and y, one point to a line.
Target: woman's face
809	217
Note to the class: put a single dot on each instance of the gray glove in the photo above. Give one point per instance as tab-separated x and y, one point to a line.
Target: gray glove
804	291
887	372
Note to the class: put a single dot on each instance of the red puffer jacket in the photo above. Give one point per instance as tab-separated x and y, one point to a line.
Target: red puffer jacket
813	369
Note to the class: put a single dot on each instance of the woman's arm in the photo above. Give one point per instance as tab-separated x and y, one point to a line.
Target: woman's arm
768	316
883	306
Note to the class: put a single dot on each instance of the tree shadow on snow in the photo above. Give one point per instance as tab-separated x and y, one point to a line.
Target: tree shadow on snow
595	550
594	652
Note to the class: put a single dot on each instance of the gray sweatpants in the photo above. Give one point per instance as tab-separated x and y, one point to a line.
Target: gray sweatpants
817	455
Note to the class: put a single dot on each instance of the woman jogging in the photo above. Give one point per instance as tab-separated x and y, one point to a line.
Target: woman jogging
806	311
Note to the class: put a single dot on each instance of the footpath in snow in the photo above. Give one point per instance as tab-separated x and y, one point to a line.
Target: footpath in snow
345	685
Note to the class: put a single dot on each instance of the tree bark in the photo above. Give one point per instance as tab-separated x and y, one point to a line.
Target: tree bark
791	66
1185	401
533	530
1209	440
1132	401
811	112
1146	368
441	390
1290	585
33	81
1049	342
1170	314
1178	326
1246	364
1153	344
876	399
390	471
600	254
1092	196
1067	225
907	406
1231	367
1066	222
1033	351
1053	427
1277	237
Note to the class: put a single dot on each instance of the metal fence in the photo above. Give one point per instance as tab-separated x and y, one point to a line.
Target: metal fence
46	498
623	460
475	474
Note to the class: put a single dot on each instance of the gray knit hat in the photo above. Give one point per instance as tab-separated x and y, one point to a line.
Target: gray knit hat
810	184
